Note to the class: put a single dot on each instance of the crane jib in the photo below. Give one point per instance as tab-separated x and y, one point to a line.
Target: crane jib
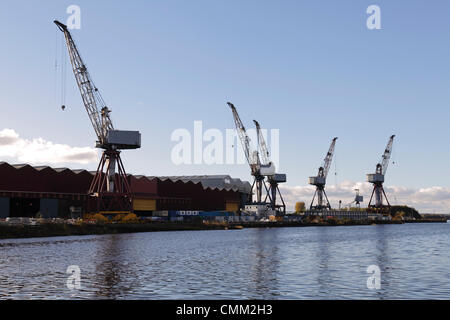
98	112
92	99
328	158
387	155
243	137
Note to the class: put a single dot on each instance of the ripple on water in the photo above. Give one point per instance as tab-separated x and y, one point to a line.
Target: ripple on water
283	263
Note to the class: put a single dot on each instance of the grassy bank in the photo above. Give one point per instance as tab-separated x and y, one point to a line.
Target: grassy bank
55	230
61	229
428	220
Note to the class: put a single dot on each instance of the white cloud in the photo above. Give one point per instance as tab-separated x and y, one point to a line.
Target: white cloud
39	150
426	200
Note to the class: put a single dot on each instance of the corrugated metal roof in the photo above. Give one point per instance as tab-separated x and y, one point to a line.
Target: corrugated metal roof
39	168
20	166
219	182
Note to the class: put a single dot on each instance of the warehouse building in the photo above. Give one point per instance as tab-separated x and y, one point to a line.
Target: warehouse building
26	191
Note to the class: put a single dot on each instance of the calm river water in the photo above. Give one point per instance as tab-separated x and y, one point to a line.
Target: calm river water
280	263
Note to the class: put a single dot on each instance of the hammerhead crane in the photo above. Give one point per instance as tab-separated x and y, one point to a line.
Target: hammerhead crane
109	189
320	180
273	179
377	180
258	170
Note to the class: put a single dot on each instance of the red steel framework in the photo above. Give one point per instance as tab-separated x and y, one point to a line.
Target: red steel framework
121	198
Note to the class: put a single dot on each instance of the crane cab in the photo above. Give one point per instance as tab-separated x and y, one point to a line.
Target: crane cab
375	177
316	180
124	139
267	169
278	178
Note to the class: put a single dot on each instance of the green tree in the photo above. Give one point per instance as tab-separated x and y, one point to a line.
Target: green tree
405	212
300	207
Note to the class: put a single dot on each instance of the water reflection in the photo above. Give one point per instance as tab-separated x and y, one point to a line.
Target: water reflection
116	274
383	261
108	270
266	262
312	263
324	274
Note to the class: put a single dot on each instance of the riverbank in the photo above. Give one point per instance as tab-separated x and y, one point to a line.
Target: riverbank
64	229
428	220
61	229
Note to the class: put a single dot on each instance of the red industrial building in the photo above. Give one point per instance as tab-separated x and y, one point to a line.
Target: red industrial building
28	190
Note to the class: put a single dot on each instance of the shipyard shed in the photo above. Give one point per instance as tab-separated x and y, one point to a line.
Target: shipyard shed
27	190
197	193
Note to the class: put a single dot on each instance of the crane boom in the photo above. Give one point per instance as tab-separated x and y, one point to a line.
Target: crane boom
93	102
387	155
243	136
328	159
252	156
264	152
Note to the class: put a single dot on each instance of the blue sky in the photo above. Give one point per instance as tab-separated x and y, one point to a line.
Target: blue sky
309	68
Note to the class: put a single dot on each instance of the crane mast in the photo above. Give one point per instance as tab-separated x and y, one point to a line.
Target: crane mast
320	180
377	179
268	169
110	188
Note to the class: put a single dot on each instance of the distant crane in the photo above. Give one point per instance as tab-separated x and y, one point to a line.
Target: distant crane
377	180
357	201
273	179
320	180
258	171
109	189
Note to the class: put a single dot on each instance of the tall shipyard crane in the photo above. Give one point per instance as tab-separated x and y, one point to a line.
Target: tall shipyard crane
109	189
273	179
258	170
320	180
377	180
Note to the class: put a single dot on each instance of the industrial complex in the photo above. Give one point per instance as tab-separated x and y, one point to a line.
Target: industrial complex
28	191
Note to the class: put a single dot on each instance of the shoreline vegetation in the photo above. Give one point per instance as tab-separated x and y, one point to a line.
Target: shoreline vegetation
66	229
